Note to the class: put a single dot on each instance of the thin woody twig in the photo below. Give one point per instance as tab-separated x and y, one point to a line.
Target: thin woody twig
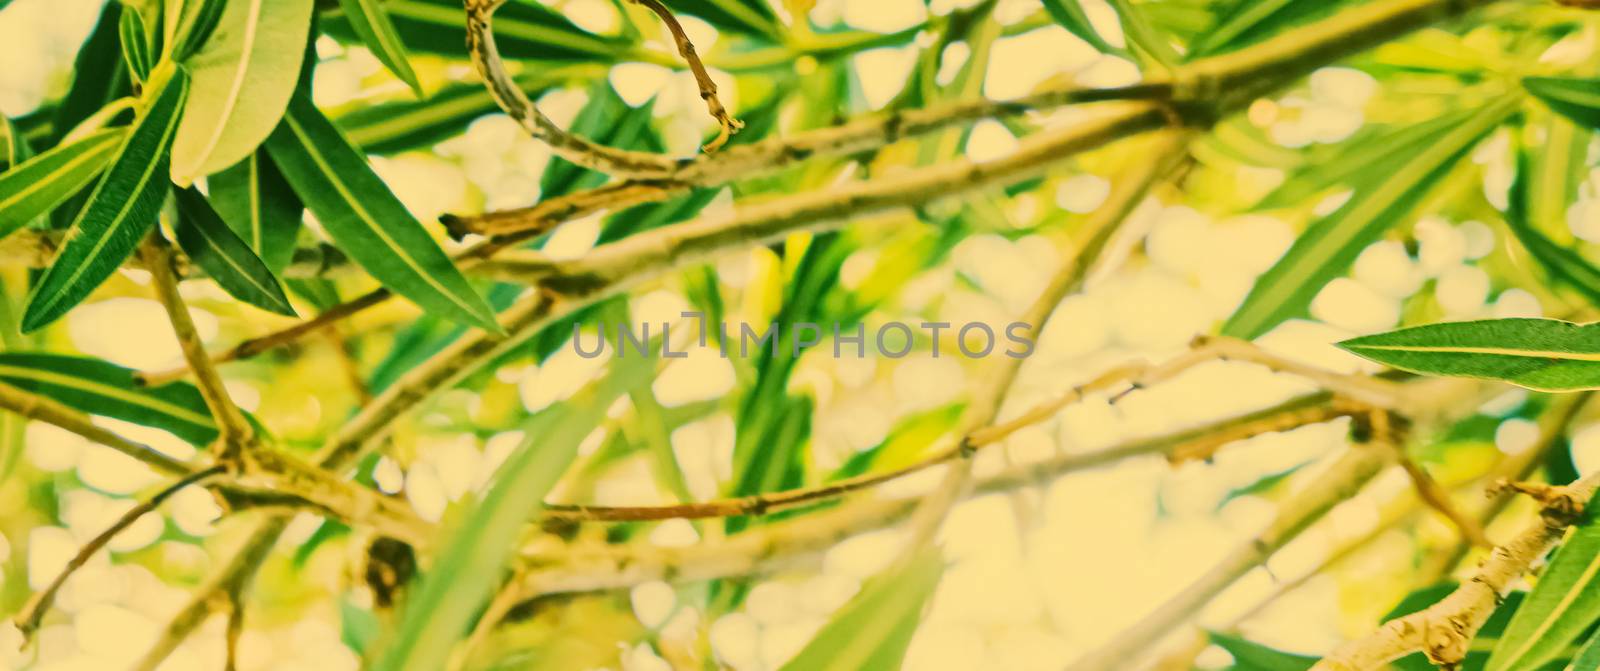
1437	498
234	431
235	628
33	611
708	89
50	411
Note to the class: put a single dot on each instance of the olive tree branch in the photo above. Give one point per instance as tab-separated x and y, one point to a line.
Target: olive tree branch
39	408
708	89
33	611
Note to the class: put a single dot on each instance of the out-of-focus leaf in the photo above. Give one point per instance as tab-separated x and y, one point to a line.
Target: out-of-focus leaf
1540	354
14	147
473	556
610	121
100	388
1560	607
31	189
1360	158
1491	630
370	21
1249	656
1561	262
227	259
200	21
1577	99
358	627
254	199
905	443
1143	36
873	630
1551	171
397	126
1330	245
1246	22
1242	141
1069	13
98	74
523	30
243	79
122	208
752	17
365	218
136	48
1588	657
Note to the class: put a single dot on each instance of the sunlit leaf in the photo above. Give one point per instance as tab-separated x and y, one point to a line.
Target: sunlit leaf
37	185
1250	656
370	21
1542	354
122	208
243	79
200	21
1561	262
227	259
100	388
753	17
1330	245
259	205
136	47
1588	657
1561	606
397	126
873	630
365	218
1069	13
473	557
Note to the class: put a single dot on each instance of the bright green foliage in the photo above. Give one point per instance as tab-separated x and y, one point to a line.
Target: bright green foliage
227	259
1542	354
1561	607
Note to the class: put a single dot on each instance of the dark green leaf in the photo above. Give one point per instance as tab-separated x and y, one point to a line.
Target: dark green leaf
752	17
365	218
1330	245
243	79
1360	158
393	127
1561	262
1588	657
1248	656
370	21
1540	354
873	630
258	204
98	74
30	190
1069	13
201	18
472	558
227	259
136	49
523	30
1577	99
1561	606
100	388
122	208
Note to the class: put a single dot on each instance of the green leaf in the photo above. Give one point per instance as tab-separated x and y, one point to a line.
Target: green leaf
98	74
101	388
473	557
1561	262
1330	245
370	21
227	259
358	627
1539	354
1552	169
873	630
1563	603
752	17
14	148
136	49
1576	99
365	218
1069	14
1249	656
200	21
243	79
1247	22
122	208
254	199
1359	159
523	30
31	189
1588	657
392	127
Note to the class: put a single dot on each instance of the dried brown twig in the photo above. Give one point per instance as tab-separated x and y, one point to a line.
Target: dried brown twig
708	89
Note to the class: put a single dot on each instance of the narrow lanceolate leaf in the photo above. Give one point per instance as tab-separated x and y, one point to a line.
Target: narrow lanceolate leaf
1564	603
136	49
200	19
121	209
366	219
1588	657
1359	159
101	388
371	23
1540	354
14	148
400	125
1561	262
874	628
1242	17
474	556
1250	656
227	259
1577	99
254	199
1070	15
1329	246
243	79
523	30
31	189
